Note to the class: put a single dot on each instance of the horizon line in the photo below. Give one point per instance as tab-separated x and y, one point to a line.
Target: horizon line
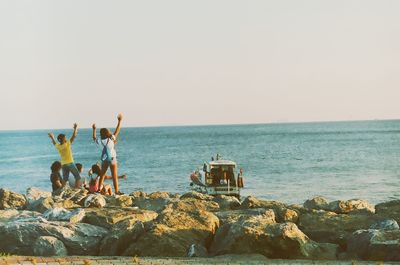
211	124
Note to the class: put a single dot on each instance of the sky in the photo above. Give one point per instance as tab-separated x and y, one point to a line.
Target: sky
186	62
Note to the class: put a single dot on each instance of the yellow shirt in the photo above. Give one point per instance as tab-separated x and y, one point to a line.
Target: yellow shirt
65	152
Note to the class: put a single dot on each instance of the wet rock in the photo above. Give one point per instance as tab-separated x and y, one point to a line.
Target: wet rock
11	200
354	206
380	245
95	201
33	194
119	201
108	217
329	227
79	239
48	246
316	203
196	195
388	224
172	234
196	250
61	214
226	202
41	205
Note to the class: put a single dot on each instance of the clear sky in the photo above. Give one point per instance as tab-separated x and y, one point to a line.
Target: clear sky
197	62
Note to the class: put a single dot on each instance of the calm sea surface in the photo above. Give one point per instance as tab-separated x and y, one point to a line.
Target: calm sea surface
286	162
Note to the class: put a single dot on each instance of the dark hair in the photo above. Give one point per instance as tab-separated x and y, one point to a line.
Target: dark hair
105	133
56	166
79	166
96	169
61	135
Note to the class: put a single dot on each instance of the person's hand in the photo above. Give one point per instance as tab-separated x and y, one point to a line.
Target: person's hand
94	126
75	126
119	117
51	135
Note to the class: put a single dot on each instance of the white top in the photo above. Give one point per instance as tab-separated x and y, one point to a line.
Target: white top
109	143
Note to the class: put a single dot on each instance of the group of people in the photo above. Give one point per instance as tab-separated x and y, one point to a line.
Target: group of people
97	173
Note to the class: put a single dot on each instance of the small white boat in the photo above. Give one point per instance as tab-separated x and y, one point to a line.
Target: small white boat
220	178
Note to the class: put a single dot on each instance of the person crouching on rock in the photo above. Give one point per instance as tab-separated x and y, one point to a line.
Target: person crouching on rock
108	156
55	177
67	160
94	182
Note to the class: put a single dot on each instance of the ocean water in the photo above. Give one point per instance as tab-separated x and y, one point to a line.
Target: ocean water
286	162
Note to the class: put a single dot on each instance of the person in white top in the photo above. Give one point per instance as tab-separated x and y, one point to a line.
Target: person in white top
109	155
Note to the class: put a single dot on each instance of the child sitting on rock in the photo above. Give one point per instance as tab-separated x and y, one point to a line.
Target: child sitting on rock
55	177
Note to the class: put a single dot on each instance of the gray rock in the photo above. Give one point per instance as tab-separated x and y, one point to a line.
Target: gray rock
226	202
13	215
34	194
47	246
41	205
388	224
197	250
95	200
61	214
389	210
381	245
80	239
11	200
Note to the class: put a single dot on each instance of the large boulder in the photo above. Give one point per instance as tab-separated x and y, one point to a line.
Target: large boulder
119	201
173	232
48	246
108	217
190	205
153	203
226	202
329	227
61	214
33	194
41	205
351	206
387	224
380	245
316	203
95	201
13	215
227	217
260	234
18	237
389	210
11	200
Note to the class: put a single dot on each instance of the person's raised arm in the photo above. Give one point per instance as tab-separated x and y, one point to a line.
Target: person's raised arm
94	132
74	133
51	135
119	117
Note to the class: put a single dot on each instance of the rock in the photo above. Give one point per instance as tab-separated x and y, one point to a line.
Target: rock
95	200
61	214
317	203
234	215
119	201
159	194
251	202
121	235
329	227
33	194
137	194
354	205
47	246
389	210
196	195
41	205
197	250
172	234
79	239
152	204
13	215
108	217
258	234
190	205
226	202
380	245
288	215
11	200
388	224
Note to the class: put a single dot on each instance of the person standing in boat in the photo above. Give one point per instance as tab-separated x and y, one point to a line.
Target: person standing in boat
107	143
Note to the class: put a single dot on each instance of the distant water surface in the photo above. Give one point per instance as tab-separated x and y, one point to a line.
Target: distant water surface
286	162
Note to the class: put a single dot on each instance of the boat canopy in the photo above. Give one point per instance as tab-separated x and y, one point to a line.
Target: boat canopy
222	163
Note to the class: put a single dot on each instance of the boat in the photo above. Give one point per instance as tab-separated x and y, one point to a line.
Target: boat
220	178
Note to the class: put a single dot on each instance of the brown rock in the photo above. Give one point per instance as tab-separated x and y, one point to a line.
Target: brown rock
11	200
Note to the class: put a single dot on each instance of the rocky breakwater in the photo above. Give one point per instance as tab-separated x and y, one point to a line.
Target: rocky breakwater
195	225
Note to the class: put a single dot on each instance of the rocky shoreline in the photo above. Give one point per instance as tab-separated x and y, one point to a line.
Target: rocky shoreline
162	224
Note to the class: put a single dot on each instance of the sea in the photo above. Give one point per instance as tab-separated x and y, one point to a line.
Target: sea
288	162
